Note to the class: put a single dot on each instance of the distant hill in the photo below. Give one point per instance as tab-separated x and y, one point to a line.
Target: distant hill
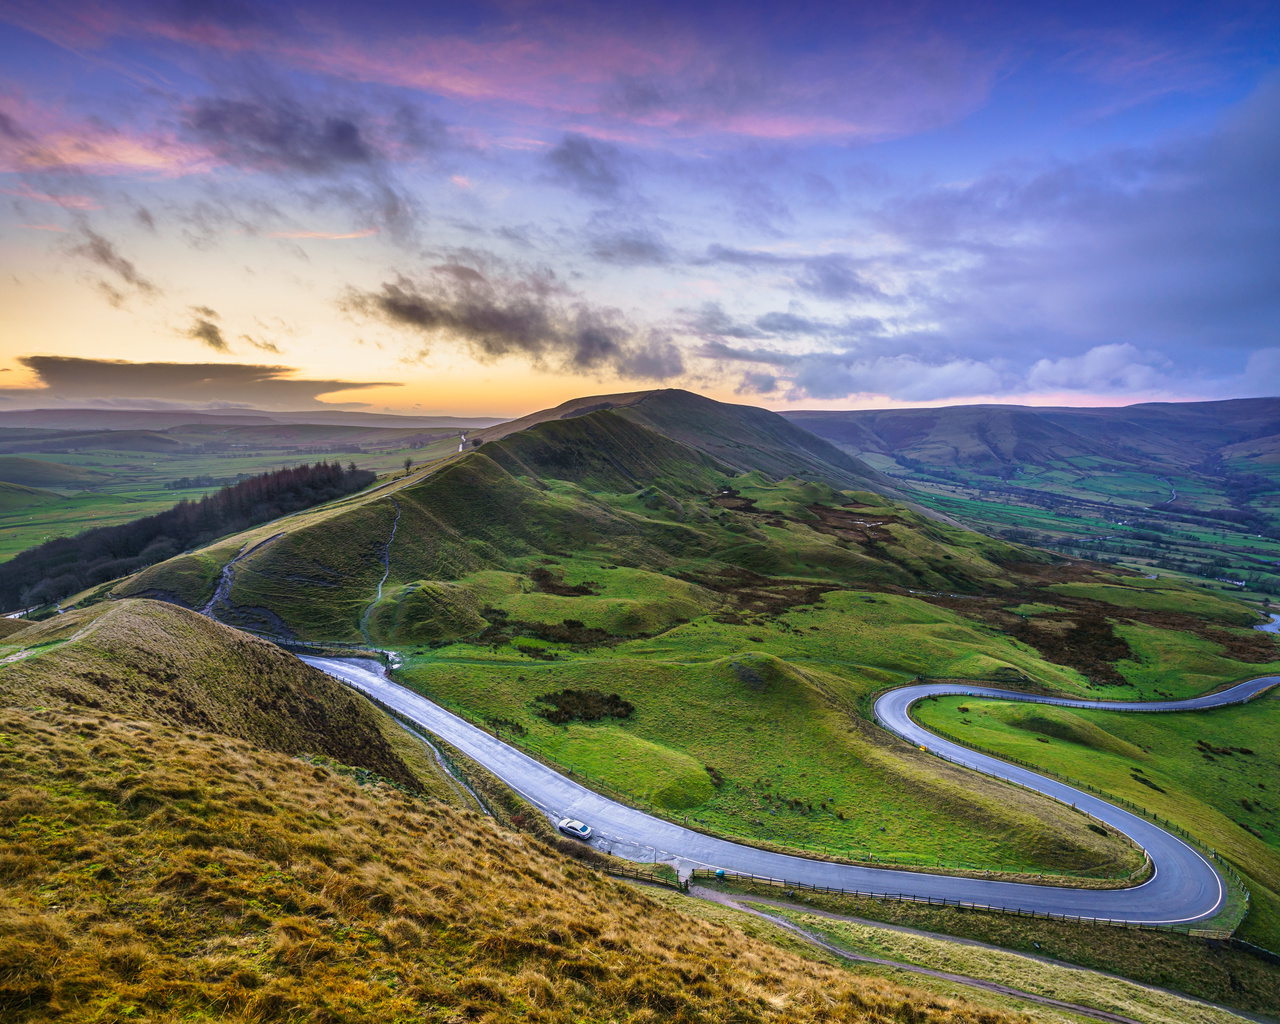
152	419
18	496
743	437
1168	435
38	473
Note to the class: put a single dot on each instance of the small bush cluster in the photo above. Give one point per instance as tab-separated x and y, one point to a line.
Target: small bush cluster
583	706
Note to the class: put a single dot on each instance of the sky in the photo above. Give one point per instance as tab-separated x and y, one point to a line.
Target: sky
490	208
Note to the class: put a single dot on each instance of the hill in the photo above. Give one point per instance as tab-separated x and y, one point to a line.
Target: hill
743	437
154	662
74	420
194	876
1165	435
596	482
1190	488
38	473
16	497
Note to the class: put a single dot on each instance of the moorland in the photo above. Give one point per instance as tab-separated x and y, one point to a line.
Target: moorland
694	605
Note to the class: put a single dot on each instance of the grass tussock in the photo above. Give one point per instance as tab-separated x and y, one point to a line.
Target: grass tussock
168	877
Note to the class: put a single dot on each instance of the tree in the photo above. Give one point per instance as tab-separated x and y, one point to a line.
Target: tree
408	465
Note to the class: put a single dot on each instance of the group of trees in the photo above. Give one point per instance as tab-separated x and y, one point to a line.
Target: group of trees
62	567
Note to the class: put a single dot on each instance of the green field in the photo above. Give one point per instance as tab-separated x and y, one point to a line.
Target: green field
49	495
1213	773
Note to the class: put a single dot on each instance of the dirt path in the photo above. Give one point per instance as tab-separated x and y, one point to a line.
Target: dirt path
386	571
738	903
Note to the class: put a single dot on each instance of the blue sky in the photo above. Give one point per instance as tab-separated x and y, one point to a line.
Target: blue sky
491	208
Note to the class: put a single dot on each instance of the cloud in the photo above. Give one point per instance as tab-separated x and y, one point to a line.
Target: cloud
757	384
324	235
902	377
206	331
102	251
1103	369
530	315
834	277
66	379
67	202
1173	248
635	248
721	352
278	135
345	153
261	344
590	167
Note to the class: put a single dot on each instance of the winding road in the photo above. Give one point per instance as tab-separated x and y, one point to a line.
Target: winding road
1184	886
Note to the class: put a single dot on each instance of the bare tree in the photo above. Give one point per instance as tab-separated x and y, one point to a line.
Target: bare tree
408	465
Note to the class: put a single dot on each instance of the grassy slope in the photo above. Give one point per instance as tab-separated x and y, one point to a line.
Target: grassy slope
39	473
1057	981
1215	971
152	875
16	497
740	436
1229	799
144	659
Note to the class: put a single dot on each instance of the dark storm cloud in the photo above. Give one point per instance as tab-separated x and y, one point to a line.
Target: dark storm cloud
587	166
530	315
68	379
101	251
276	134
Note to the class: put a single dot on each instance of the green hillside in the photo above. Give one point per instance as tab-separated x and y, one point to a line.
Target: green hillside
743	437
16	497
148	661
1189	489
747	620
38	473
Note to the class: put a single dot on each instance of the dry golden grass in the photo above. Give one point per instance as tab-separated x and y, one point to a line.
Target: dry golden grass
150	875
160	663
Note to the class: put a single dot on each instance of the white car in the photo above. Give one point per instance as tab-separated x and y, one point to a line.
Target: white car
571	827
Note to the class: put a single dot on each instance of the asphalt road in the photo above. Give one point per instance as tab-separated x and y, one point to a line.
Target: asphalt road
1184	886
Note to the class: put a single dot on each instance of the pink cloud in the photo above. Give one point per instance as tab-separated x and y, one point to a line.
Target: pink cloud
49	139
68	202
603	74
325	235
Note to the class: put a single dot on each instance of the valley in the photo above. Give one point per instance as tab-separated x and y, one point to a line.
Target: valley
632	591
1190	491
